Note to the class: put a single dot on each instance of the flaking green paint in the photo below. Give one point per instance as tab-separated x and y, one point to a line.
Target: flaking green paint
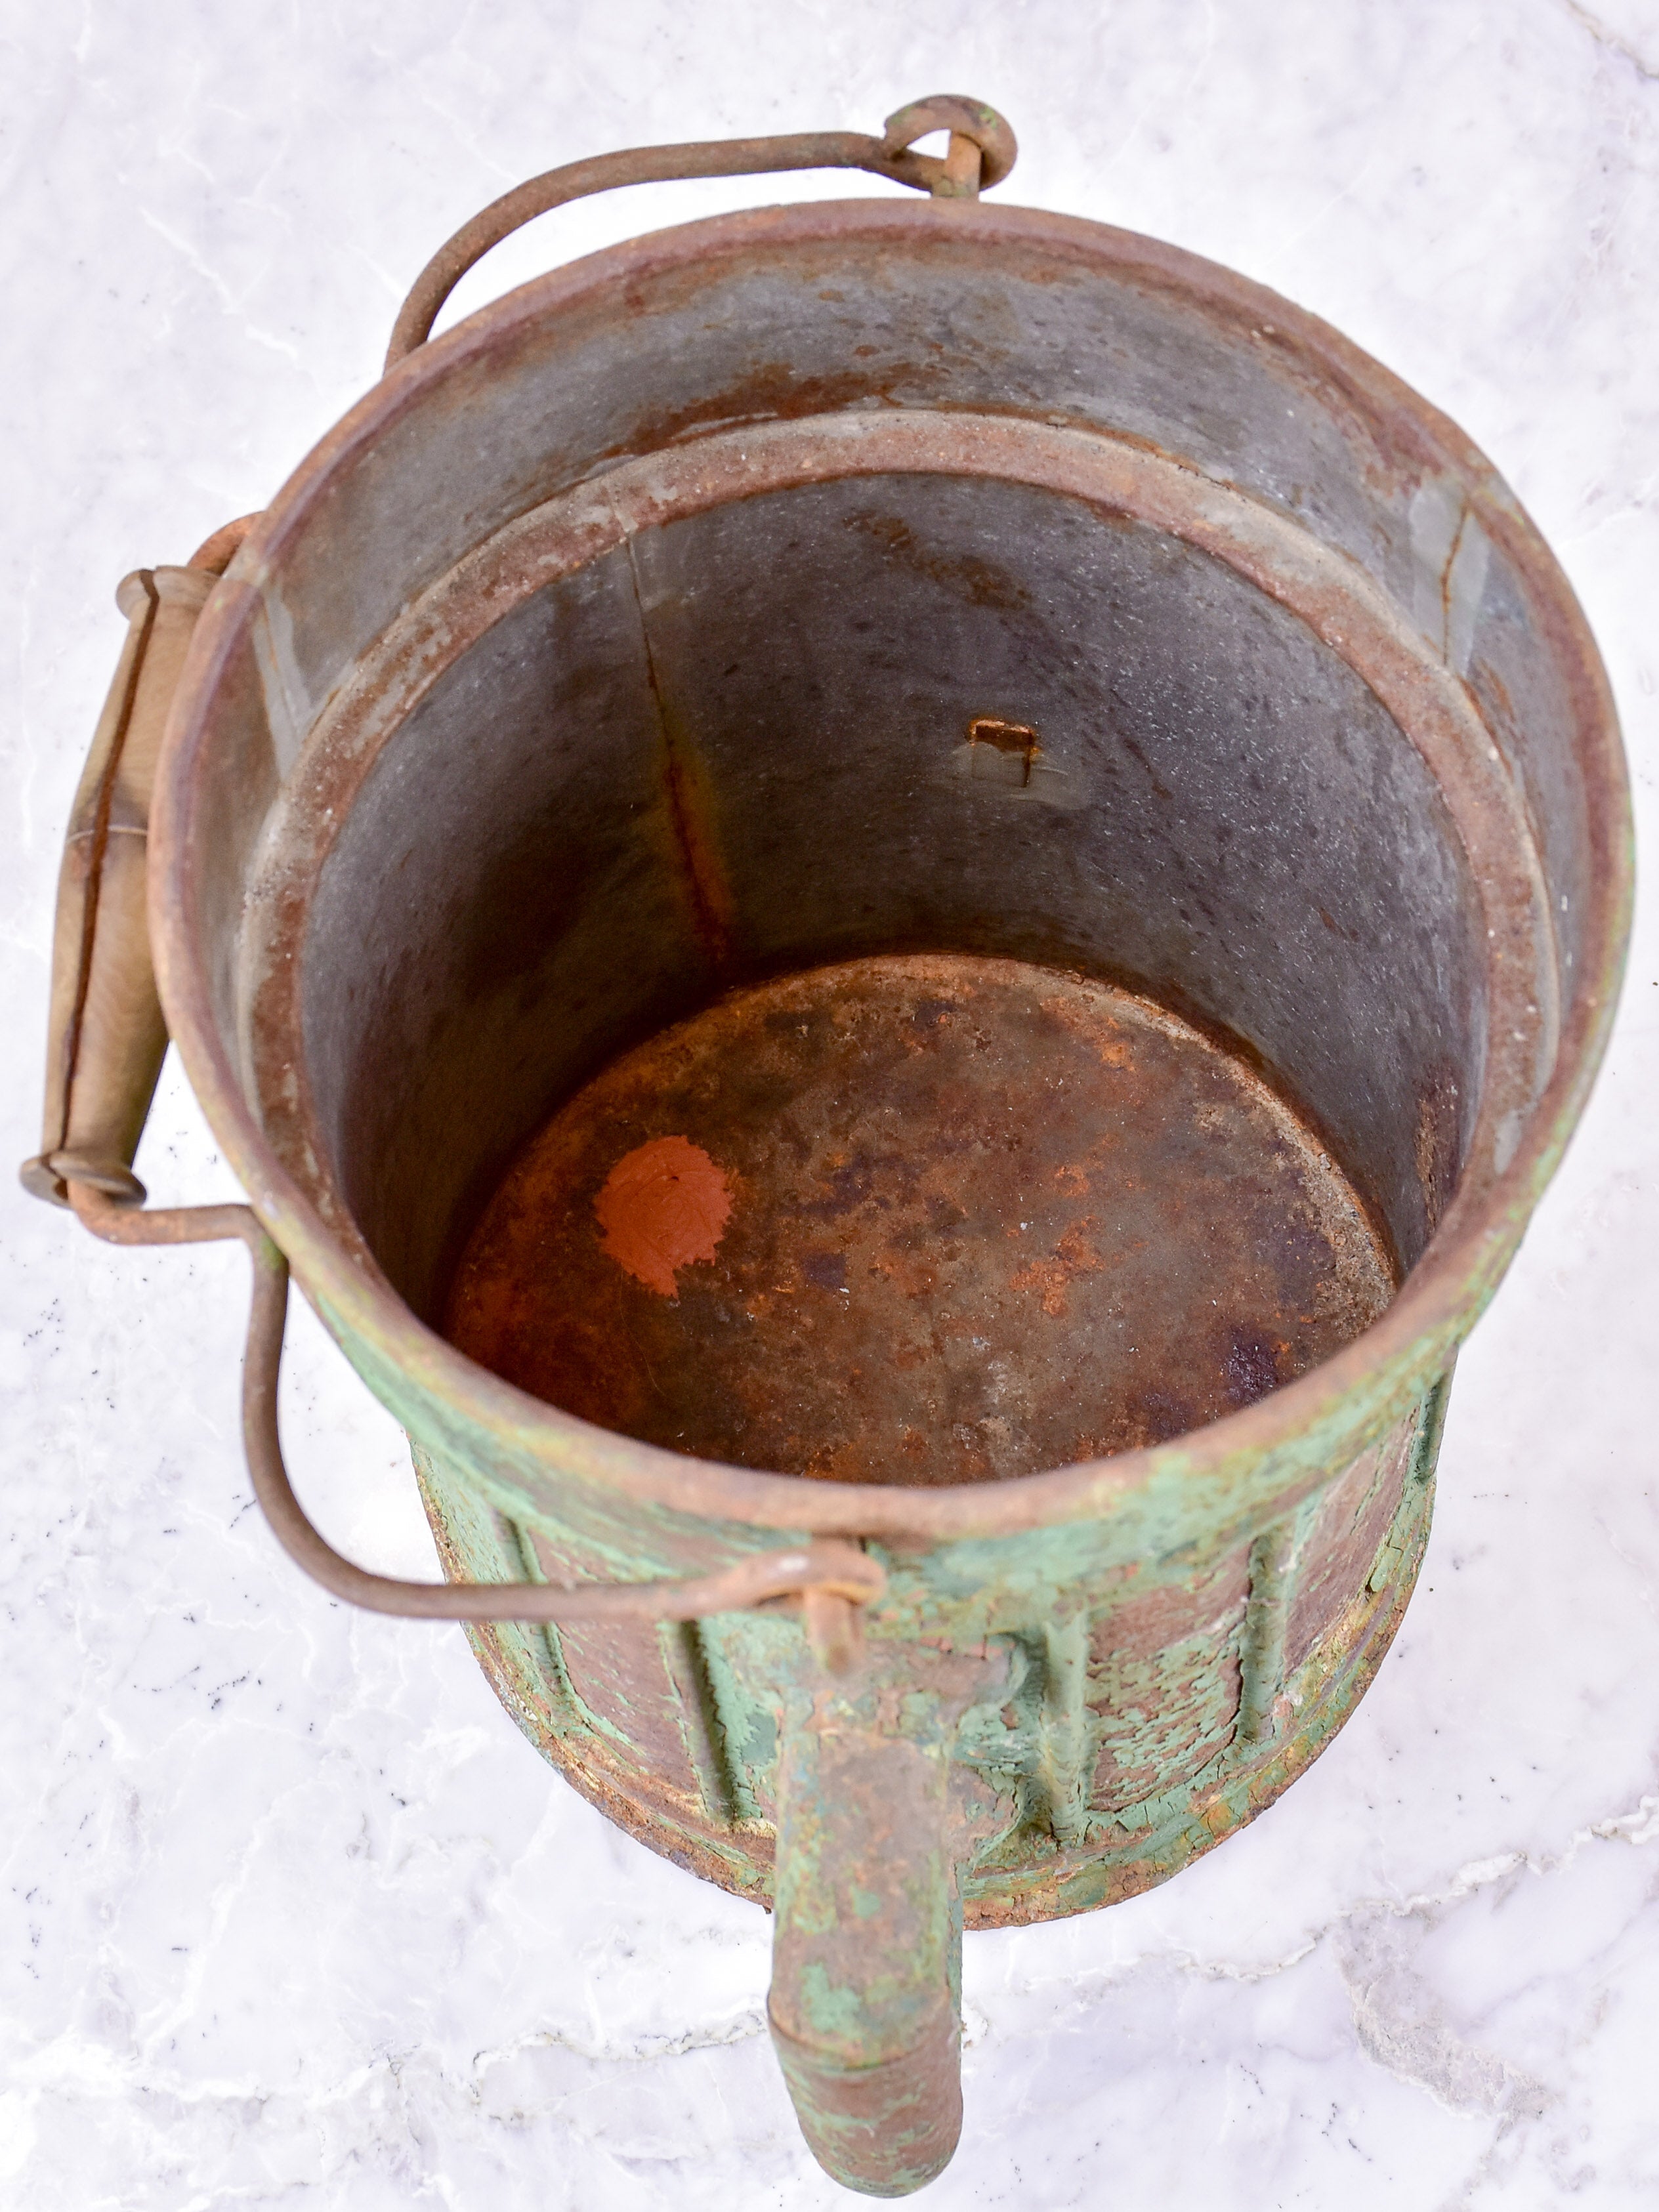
1037	1744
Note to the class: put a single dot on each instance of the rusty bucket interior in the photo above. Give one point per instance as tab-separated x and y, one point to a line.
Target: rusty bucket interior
759	609
1066	970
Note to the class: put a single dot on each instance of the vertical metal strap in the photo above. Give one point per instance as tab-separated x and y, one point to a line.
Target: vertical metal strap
1274	1558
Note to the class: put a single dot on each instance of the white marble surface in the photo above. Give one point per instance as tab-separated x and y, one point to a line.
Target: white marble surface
291	1918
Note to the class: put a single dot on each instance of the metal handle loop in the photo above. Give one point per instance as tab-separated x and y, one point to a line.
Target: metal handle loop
983	151
825	1569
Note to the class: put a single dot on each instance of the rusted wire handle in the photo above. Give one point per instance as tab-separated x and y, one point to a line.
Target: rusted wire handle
820	1571
982	150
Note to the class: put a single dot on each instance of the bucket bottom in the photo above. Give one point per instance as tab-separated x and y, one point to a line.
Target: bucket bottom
926	1220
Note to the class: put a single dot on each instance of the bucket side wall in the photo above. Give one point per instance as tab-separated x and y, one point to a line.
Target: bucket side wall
1151	1709
739	744
794	312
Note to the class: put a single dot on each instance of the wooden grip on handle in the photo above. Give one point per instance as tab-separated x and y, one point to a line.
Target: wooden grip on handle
105	1037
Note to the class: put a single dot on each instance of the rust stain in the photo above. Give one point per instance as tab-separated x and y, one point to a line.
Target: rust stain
690	806
689	809
773	390
1072	1256
1436	1146
966	575
664	1204
1105	1038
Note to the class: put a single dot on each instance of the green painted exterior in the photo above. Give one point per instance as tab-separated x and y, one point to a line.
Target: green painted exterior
1071	1718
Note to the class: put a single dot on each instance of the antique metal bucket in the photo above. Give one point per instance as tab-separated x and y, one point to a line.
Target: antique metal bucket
947	880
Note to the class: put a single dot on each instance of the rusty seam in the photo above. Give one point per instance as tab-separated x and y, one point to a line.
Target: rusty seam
701	879
1445	582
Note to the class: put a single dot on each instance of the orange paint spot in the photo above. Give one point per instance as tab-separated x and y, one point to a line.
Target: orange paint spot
664	1204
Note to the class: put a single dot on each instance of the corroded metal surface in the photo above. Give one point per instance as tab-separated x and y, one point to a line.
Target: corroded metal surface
976	1219
864	2007
832	583
1146	1716
1392	887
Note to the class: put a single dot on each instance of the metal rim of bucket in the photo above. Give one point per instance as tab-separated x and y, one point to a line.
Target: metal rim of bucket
1362	1386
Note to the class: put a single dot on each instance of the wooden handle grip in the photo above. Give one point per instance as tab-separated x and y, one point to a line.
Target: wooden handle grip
106	1035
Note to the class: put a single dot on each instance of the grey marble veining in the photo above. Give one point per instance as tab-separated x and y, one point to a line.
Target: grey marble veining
290	1916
